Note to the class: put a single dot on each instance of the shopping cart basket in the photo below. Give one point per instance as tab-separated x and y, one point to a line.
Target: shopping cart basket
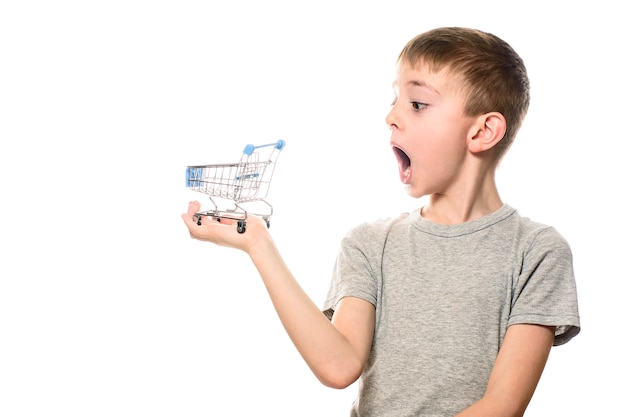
235	189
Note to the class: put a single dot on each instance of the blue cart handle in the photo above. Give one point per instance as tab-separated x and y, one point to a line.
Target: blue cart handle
250	148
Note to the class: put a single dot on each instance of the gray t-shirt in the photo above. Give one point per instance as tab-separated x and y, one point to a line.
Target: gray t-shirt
444	297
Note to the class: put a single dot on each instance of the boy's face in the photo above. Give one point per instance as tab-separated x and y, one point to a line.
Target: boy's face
429	130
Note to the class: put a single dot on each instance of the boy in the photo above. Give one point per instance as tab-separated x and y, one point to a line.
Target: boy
450	310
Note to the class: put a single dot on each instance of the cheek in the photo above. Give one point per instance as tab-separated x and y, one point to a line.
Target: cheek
440	154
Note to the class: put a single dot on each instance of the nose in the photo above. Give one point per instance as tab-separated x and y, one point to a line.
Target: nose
392	118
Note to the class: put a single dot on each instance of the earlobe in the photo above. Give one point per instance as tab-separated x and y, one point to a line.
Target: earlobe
489	129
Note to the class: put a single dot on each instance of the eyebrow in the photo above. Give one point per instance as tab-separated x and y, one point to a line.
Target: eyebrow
416	83
420	83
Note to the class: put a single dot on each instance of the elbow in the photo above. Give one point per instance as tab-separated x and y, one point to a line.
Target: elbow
339	376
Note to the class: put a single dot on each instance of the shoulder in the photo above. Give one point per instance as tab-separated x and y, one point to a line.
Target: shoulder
374	231
370	238
541	237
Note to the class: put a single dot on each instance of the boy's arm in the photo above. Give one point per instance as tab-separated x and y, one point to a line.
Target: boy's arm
336	352
516	372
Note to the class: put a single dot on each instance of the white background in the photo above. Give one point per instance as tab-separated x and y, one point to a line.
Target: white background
108	308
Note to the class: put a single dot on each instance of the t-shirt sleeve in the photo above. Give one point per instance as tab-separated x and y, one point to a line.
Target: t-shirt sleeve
354	272
546	289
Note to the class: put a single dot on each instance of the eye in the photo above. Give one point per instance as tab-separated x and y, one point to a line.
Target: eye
417	106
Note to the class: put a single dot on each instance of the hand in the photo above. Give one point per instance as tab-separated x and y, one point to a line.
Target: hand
224	232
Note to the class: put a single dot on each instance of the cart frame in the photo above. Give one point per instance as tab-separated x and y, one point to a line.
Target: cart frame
239	189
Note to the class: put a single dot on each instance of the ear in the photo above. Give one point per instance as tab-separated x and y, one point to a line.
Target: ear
486	132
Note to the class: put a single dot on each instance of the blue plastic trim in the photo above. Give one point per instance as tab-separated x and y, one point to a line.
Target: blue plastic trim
248	149
188	175
192	174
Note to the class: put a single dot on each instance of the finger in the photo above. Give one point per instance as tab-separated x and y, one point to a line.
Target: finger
193	208
225	220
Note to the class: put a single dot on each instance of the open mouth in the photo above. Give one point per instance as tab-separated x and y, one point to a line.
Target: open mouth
404	164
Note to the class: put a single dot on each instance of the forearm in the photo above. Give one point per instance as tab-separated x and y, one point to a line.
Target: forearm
327	352
516	372
490	407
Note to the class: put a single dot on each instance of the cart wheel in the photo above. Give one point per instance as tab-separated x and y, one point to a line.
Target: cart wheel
241	226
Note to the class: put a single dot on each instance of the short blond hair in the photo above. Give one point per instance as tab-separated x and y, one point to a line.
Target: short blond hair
492	74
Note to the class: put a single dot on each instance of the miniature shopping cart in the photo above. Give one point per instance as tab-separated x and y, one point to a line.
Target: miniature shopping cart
238	189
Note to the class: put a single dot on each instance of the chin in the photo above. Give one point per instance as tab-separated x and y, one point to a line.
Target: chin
412	192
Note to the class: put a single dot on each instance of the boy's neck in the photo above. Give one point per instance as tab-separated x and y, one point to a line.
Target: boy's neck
473	203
